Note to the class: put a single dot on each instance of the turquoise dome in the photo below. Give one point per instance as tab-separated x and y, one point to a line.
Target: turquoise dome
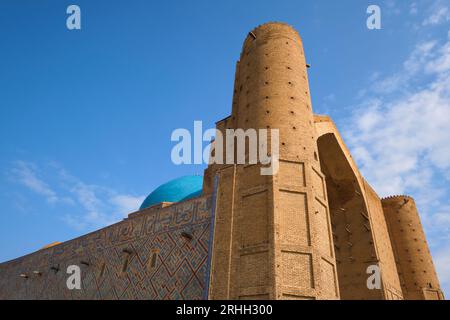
176	190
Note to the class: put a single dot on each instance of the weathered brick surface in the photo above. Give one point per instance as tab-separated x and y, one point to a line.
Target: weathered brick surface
308	232
179	269
280	226
317	225
414	263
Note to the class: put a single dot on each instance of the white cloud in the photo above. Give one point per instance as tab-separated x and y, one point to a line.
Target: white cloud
91	206
26	174
127	203
440	64
389	84
102	205
403	137
421	56
391	7
413	9
401	140
440	15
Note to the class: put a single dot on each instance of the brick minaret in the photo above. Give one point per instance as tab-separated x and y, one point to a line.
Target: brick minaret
273	235
414	263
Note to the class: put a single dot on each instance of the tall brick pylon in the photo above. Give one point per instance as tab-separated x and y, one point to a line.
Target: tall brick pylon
414	263
273	236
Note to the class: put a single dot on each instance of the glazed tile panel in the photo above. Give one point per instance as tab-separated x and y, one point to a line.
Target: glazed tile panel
157	253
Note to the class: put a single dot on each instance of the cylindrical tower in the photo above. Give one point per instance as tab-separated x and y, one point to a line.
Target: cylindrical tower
273	89
273	234
414	263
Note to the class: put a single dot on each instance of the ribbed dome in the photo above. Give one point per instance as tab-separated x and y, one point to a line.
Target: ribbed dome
176	190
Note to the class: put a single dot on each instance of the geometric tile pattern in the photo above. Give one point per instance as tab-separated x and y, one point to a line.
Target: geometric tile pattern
157	253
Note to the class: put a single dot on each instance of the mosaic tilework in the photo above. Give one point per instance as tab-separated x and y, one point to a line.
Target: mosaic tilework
157	253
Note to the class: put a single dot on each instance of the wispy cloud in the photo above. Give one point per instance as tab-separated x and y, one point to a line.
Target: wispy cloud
90	205
407	134
26	174
406	77
102	205
126	203
413	8
440	14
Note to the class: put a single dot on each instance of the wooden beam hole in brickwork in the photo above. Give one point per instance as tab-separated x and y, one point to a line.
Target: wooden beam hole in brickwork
187	235
37	272
102	269
153	261
125	264
55	268
347	228
127	251
23	275
364	215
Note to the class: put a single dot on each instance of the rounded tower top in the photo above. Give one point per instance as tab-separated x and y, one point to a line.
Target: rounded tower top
268	30
274	25
414	261
397	198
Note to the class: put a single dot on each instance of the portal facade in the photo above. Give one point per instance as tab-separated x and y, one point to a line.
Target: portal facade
311	231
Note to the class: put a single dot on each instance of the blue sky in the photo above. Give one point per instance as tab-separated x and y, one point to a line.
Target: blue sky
86	116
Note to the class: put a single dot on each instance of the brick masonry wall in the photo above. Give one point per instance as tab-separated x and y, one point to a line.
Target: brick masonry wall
308	232
415	266
143	257
273	232
390	279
